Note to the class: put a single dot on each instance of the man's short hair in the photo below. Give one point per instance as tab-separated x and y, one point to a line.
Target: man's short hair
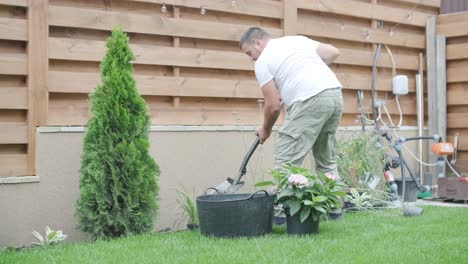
252	34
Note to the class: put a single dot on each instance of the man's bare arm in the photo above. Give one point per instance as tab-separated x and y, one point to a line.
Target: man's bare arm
272	109
327	52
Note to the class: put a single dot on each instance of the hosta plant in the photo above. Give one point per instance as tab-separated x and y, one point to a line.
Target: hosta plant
359	201
304	193
51	237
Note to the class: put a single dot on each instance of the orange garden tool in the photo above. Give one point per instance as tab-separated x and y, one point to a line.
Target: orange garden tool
442	148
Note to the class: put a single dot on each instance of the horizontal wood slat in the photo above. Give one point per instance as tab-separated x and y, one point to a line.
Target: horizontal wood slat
354	33
14	64
11	133
457	94
73	109
355	81
428	3
13	98
462	160
61	115
13	29
176	117
457	75
366	10
365	58
87	50
451	18
75	106
262	8
13	165
82	82
137	23
14	2
455	29
462	138
90	50
457	51
75	82
457	120
462	145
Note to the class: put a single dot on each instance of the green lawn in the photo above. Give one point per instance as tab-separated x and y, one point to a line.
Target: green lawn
440	235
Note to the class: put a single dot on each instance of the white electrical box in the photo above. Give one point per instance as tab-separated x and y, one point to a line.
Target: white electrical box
400	85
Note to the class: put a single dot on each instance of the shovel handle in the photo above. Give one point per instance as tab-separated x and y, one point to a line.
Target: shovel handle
211	188
253	194
243	167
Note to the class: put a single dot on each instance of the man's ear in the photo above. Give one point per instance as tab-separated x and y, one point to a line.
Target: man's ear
258	43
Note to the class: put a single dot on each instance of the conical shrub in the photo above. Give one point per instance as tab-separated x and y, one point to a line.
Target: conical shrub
118	177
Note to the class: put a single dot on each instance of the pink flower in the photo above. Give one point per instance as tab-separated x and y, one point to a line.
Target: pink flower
332	176
298	180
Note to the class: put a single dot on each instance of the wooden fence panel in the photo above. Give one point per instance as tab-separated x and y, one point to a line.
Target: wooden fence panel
13	88
188	66
138	23
13	29
221	54
455	28
22	3
259	8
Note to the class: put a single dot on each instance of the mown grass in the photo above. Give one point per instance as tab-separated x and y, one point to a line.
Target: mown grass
440	235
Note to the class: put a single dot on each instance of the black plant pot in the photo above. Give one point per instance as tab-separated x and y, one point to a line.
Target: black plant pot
277	220
192	227
295	227
351	208
334	216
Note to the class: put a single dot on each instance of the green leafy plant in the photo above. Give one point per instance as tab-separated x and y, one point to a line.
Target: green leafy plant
310	195
118	186
359	201
358	159
51	237
188	206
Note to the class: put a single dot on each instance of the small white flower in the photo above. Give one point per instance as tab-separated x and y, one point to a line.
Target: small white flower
298	180
332	176
279	207
272	189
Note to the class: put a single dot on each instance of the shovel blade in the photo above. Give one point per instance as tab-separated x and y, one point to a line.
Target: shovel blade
226	187
233	188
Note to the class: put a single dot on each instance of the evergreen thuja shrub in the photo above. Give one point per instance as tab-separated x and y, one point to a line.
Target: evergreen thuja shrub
118	186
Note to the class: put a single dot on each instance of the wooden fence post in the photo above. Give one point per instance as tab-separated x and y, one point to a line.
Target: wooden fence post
441	81
38	31
290	17
176	44
431	68
441	87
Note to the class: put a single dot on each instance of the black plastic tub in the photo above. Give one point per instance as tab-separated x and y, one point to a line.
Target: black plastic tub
235	215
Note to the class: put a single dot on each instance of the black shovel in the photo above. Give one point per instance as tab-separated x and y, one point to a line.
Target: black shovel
232	185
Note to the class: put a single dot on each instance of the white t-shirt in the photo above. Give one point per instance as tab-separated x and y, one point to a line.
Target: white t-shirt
298	71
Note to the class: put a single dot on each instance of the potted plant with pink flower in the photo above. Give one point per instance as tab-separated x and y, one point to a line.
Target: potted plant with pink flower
306	197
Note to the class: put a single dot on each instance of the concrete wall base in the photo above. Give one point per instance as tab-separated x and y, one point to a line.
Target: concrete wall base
191	159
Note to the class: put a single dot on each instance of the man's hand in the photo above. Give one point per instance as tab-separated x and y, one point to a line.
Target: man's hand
263	134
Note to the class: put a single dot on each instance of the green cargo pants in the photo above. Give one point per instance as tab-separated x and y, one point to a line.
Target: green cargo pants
311	125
